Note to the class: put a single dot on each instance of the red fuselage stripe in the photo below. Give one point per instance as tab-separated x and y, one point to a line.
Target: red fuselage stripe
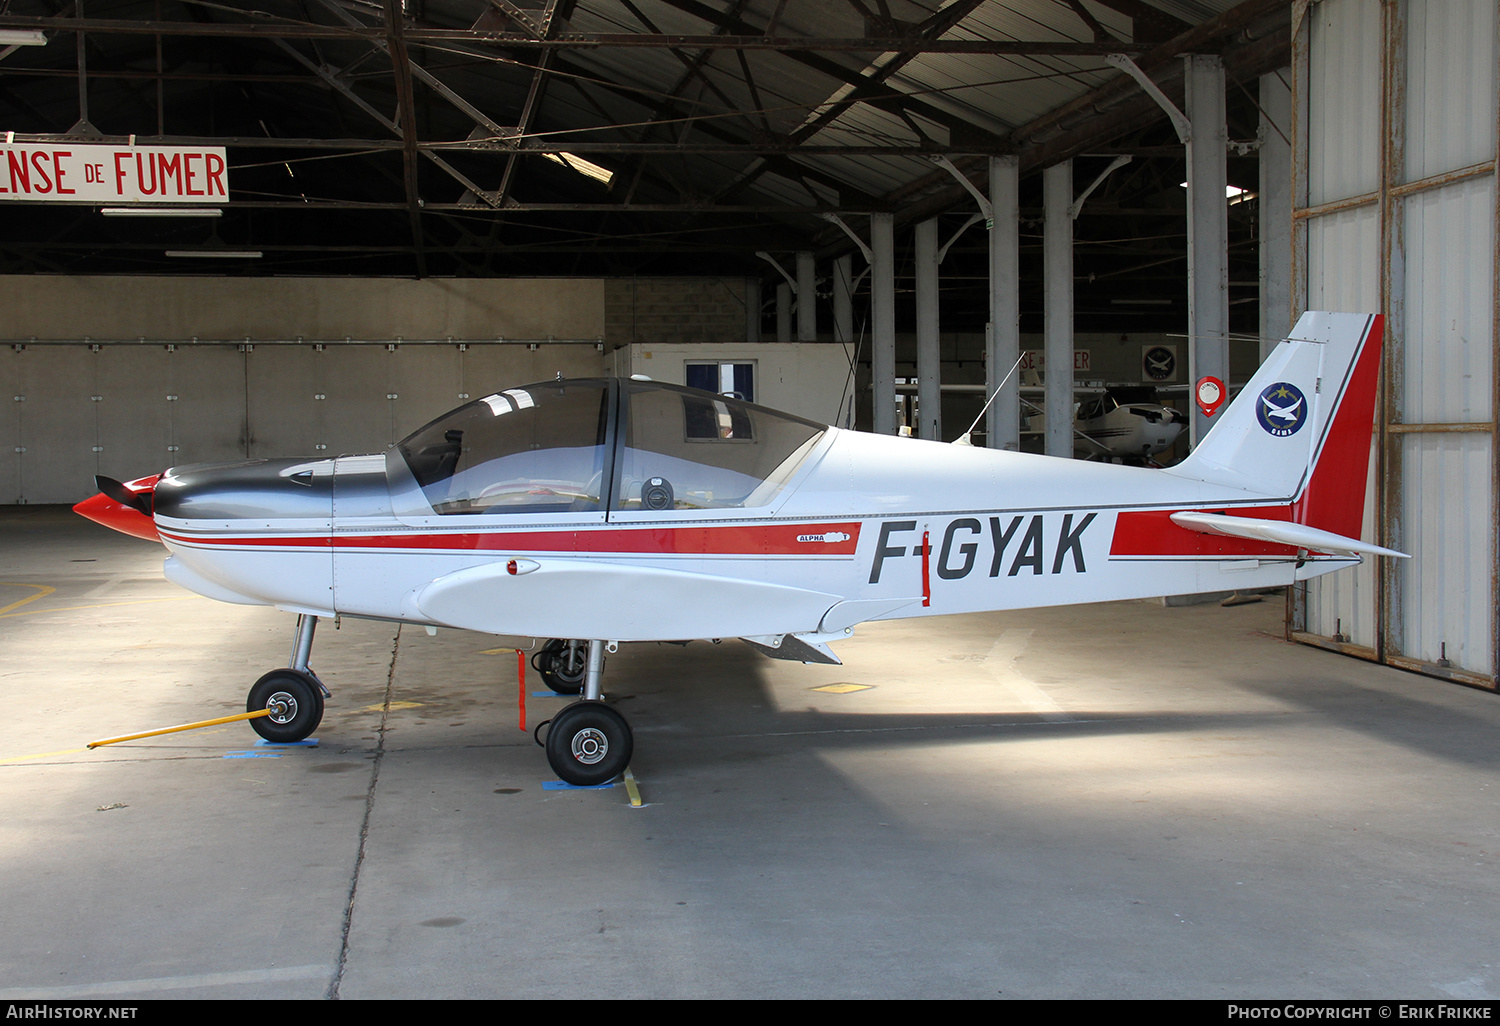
766	540
1152	533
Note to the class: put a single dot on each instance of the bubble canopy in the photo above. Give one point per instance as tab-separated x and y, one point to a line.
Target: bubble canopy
599	445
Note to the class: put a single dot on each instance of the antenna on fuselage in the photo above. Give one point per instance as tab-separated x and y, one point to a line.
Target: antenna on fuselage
965	439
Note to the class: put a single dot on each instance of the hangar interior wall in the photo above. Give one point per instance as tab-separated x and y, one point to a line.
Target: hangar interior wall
125	376
129	410
690	310
110	308
809	379
1395	178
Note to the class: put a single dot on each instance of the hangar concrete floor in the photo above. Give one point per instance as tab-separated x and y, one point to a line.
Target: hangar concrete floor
1119	800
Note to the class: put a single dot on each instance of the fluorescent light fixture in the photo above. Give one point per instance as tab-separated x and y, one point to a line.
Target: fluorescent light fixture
583	167
22	37
240	254
161	212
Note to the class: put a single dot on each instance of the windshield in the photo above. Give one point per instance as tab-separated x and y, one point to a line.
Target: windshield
537	449
548	448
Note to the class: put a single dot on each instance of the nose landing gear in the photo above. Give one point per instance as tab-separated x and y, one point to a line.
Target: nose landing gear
293	695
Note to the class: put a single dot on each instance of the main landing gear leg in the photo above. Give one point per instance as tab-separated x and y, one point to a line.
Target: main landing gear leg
593	681
588	742
294	694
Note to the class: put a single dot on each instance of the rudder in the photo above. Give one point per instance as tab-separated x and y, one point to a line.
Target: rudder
1300	429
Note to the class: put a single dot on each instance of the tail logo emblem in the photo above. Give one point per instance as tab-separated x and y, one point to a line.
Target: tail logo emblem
1282	409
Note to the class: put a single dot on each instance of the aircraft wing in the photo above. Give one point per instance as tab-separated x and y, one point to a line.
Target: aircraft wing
545	597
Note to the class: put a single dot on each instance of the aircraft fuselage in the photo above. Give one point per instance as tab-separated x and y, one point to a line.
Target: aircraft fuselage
812	562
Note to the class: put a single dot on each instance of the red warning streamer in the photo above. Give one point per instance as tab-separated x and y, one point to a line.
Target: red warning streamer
521	687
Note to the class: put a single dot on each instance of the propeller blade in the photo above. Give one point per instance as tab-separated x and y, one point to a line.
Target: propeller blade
139	501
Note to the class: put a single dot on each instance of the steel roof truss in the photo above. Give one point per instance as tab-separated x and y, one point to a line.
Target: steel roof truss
330	77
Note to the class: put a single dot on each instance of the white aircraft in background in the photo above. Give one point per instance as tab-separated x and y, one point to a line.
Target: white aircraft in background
599	511
1107	423
1114	426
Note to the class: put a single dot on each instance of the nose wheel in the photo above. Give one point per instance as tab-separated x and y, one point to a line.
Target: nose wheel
295	702
588	743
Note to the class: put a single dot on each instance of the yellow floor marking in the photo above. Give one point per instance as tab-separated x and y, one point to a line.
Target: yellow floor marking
842	689
101	605
75	751
635	792
381	706
44	755
42	590
110	989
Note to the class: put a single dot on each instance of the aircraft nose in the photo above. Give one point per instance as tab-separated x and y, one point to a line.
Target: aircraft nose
127	507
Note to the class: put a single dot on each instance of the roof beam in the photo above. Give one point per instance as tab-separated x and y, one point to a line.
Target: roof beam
864	84
330	77
474	114
407	109
794	50
287	29
1113	108
540	78
774	147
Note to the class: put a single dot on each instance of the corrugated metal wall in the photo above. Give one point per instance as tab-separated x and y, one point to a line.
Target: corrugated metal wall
1395	169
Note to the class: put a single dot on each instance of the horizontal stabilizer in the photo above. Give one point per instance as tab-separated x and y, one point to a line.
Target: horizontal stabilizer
1279	531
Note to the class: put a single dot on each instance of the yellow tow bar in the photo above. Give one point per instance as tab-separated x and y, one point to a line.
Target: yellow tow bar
181	726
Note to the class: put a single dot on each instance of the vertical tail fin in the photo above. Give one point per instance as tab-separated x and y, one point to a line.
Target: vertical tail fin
1300	430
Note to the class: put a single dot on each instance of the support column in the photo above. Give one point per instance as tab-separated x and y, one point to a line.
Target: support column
1275	209
929	374
883	316
752	309
783	312
1208	228
1003	345
843	325
807	297
1057	271
843	300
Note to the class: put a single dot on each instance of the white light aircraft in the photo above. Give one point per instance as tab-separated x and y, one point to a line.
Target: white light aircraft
594	512
1112	428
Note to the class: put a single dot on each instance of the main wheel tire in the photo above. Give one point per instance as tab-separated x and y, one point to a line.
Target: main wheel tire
563	669
588	743
295	701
